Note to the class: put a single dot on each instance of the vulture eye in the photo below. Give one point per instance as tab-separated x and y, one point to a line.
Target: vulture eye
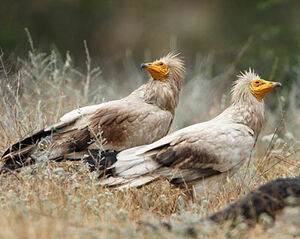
161	64
257	82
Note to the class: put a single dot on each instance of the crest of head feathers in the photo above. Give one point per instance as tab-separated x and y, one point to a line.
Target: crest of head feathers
249	86
176	65
241	87
167	76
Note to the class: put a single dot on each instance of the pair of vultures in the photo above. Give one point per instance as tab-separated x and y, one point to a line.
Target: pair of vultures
138	150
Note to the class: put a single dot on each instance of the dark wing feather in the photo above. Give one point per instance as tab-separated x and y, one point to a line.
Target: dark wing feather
211	151
97	159
73	136
26	142
17	155
186	164
118	124
193	174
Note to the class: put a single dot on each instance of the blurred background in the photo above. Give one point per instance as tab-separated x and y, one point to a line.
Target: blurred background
83	52
216	38
111	27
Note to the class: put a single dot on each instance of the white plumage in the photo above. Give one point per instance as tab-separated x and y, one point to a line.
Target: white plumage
142	117
203	154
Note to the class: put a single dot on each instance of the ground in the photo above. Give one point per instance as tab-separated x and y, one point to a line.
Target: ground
65	200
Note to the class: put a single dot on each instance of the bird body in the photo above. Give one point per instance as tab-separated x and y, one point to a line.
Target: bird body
202	154
140	118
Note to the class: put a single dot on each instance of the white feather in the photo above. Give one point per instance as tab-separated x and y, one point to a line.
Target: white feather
136	168
138	182
112	181
141	150
74	114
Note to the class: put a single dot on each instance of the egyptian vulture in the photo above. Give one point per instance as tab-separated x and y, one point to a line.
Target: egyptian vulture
141	118
203	154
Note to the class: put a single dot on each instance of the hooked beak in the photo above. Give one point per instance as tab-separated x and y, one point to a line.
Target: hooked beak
157	71
151	68
277	84
270	85
144	65
261	91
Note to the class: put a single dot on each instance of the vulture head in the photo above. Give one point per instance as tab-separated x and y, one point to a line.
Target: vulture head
166	69
167	76
250	87
247	99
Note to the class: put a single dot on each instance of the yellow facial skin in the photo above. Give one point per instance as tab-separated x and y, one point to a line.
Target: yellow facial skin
158	70
260	88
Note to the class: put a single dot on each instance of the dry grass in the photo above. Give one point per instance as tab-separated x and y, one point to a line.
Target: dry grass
65	201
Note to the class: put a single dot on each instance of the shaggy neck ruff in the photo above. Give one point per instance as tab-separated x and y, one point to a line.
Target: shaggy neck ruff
165	93
247	109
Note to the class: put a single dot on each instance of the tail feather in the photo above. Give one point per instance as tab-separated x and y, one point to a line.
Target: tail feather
18	155
130	164
114	181
132	171
138	182
17	159
135	168
122	183
31	140
131	154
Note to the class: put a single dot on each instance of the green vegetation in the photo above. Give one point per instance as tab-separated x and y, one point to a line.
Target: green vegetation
111	27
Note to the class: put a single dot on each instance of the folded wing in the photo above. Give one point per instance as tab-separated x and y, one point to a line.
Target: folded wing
122	124
185	157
